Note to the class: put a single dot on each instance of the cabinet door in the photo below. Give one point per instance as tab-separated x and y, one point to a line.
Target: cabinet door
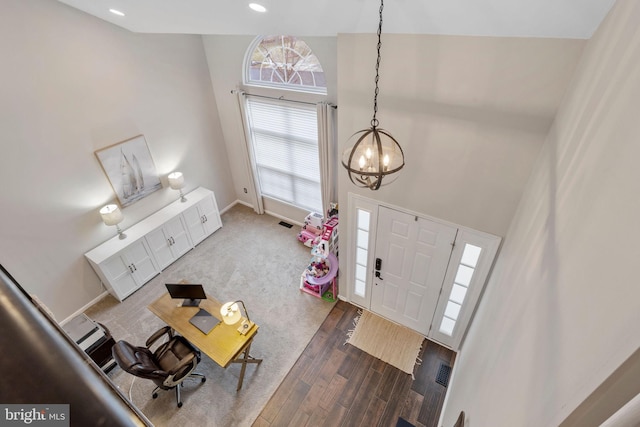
139	256
195	224
119	275
180	243
169	242
209	213
159	242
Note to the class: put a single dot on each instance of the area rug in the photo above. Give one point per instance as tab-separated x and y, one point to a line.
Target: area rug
252	258
396	345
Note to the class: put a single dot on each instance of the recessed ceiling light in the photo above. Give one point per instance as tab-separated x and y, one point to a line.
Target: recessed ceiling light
257	7
116	12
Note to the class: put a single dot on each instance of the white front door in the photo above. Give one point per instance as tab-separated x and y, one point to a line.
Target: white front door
411	259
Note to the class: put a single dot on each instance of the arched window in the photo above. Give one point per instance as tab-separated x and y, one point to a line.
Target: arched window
283	133
284	62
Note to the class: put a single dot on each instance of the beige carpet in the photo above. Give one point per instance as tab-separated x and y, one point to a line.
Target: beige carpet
250	258
394	344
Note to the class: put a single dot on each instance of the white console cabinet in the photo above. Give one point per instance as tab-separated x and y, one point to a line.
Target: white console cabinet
169	242
202	219
129	269
154	243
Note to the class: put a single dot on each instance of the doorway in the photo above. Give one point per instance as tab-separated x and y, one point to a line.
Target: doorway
418	271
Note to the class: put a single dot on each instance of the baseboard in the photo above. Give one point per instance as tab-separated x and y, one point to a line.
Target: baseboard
85	307
232	204
270	213
284	218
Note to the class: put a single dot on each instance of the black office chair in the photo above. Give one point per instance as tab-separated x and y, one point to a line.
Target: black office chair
168	366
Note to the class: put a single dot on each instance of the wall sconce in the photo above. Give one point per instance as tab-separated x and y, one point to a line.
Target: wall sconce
231	315
176	182
112	215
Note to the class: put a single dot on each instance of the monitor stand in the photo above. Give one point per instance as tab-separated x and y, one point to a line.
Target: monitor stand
190	302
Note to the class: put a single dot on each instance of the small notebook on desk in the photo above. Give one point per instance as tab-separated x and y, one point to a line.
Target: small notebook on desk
204	321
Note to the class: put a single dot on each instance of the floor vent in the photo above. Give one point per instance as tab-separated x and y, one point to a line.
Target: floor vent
443	374
285	224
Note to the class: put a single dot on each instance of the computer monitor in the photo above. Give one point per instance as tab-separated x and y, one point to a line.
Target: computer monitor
191	293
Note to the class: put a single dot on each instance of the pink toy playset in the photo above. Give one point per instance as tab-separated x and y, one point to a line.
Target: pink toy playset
320	276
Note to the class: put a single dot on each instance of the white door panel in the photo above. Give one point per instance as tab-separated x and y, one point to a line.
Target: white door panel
414	254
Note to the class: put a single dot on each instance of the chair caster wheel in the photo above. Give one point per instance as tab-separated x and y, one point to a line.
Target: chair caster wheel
179	404
154	395
204	379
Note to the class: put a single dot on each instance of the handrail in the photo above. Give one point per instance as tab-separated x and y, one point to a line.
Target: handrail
41	364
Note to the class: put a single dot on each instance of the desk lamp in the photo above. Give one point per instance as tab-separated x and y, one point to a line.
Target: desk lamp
231	315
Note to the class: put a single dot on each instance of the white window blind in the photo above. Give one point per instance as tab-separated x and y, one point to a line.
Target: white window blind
284	137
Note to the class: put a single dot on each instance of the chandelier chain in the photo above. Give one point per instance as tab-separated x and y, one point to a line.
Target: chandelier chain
374	120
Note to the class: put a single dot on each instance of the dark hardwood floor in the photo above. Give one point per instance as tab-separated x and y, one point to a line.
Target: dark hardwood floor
333	384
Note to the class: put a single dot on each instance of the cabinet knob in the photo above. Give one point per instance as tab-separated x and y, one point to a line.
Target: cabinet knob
169	241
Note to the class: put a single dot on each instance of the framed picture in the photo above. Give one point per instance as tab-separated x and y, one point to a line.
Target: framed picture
130	169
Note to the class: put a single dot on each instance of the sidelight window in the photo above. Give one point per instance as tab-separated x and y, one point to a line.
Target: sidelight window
461	283
363	222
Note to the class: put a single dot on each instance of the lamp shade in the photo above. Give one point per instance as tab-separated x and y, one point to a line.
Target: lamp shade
111	215
230	313
176	180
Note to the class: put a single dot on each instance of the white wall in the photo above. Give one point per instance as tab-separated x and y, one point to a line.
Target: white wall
562	309
69	85
469	112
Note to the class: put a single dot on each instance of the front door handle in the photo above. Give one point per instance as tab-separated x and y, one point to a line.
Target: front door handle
378	275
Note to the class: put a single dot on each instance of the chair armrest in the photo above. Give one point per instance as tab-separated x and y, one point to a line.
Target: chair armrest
159	333
184	362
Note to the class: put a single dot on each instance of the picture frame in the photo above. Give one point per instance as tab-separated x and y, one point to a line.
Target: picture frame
130	170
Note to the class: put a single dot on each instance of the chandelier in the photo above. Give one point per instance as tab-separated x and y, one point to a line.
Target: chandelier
375	153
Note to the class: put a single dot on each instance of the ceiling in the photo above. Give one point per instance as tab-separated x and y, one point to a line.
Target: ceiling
502	18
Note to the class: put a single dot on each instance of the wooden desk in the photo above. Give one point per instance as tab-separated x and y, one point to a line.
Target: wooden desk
224	344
